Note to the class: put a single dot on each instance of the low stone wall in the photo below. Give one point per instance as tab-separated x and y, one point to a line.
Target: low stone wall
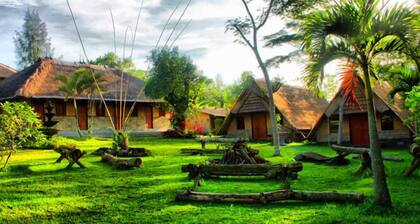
68	123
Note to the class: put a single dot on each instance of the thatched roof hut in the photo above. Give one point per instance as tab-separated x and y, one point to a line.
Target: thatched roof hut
390	117
298	107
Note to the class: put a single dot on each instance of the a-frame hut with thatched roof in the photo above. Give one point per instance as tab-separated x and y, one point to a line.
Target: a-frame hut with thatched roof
390	116
298	109
38	85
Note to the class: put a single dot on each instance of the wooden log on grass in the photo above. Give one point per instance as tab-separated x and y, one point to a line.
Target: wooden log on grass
122	164
130	152
279	171
359	150
269	197
201	151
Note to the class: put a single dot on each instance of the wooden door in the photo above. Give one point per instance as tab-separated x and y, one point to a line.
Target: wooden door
149	117
82	111
259	126
359	130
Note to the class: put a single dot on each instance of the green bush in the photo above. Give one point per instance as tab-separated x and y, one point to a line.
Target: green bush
19	126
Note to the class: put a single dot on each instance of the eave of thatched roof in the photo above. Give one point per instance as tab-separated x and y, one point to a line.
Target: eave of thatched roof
39	81
217	112
6	71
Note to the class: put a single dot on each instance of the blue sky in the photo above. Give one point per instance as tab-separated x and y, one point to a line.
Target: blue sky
212	49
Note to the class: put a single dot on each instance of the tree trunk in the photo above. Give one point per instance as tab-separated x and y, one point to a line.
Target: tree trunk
340	123
274	196
11	150
271	109
77	116
382	195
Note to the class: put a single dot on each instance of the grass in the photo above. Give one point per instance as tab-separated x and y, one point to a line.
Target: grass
35	190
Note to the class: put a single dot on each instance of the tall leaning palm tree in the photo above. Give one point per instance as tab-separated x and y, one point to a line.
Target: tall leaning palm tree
81	81
357	31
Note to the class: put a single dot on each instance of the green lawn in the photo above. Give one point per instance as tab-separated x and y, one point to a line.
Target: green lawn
35	190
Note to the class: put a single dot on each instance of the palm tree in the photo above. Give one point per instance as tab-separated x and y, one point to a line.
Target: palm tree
81	81
357	31
403	79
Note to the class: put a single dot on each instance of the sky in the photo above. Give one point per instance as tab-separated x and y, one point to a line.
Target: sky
213	50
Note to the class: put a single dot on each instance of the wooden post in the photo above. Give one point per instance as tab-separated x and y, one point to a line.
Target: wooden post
340	122
329	131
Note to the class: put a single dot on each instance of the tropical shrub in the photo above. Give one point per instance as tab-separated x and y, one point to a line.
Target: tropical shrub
19	126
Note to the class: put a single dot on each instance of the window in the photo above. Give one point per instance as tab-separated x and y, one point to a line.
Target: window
60	108
240	123
333	124
100	109
387	122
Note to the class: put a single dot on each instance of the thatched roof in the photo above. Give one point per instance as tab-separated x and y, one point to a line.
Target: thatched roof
217	112
40	81
298	106
6	71
382	103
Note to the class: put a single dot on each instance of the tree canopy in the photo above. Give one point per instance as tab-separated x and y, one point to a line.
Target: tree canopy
19	125
126	64
32	41
171	77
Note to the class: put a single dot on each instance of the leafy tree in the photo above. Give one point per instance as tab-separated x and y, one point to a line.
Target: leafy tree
241	27
19	125
403	78
205	93
126	64
32	42
232	92
171	77
80	82
412	102
357	31
112	60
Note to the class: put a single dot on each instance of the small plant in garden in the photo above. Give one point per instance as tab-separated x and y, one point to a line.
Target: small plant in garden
120	141
19	126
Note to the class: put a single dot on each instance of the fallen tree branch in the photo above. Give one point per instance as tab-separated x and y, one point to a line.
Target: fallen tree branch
274	196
